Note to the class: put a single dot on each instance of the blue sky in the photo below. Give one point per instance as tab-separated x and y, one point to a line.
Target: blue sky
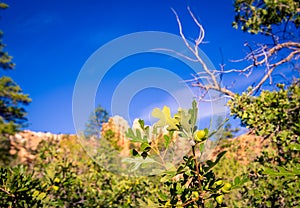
51	40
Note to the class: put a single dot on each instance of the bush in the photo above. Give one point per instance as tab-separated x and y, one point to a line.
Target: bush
18	188
63	175
192	183
74	180
274	116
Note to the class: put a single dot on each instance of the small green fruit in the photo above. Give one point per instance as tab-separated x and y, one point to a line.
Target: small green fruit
55	188
219	182
167	204
195	195
226	188
206	187
219	199
199	136
56	180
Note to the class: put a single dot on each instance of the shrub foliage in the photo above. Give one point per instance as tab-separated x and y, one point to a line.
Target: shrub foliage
274	116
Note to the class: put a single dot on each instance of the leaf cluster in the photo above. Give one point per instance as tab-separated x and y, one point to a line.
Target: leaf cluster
19	188
63	175
274	116
259	16
190	183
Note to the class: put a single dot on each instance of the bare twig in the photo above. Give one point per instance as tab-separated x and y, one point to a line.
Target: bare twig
272	68
7	192
177	53
263	56
211	78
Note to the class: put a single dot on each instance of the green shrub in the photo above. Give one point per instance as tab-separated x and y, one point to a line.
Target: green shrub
18	188
192	183
274	116
73	179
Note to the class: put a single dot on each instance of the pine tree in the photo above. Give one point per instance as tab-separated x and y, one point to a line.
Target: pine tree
94	124
12	101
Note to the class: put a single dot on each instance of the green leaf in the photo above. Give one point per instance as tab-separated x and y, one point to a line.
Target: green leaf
165	178
139	135
145	147
22	189
183	117
167	141
211	164
179	188
201	146
237	180
149	203
163	196
219	156
142	123
193	114
295	147
41	196
135	137
274	173
35	193
181	169
50	173
137	162
129	134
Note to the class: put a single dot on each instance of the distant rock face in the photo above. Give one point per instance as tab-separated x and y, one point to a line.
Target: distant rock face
25	143
118	125
243	149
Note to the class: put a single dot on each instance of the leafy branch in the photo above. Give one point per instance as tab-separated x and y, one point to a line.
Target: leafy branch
191	183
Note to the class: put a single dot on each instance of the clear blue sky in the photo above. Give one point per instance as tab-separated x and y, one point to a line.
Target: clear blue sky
51	40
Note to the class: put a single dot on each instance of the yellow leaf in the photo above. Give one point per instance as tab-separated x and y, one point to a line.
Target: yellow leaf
165	118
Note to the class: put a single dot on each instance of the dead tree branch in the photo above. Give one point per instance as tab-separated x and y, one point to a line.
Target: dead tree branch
210	76
262	57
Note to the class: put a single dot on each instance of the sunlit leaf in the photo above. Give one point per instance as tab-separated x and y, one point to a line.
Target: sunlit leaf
137	162
165	118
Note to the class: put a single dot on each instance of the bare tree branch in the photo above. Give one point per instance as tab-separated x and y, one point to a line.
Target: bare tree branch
211	78
273	66
177	53
263	56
